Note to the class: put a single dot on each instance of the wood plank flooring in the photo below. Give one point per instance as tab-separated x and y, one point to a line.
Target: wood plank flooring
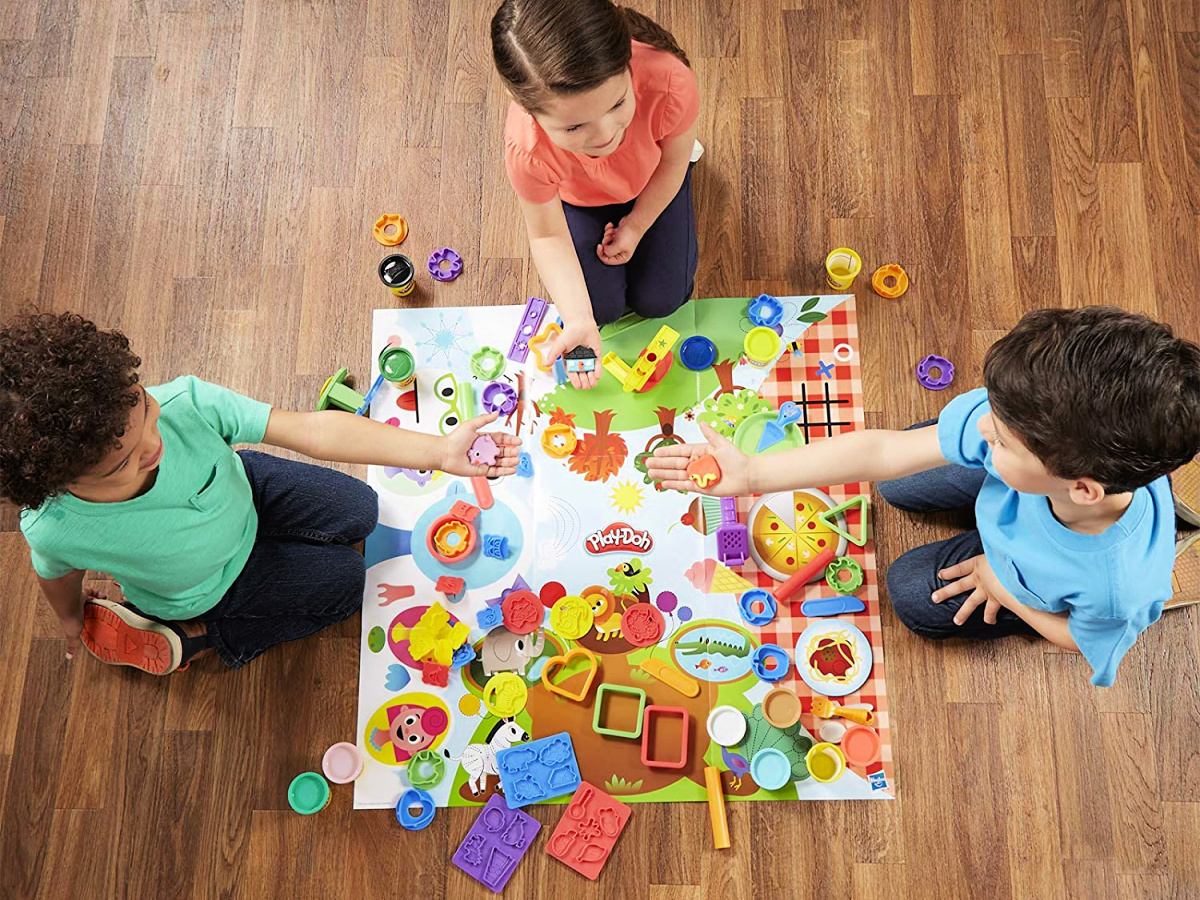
203	174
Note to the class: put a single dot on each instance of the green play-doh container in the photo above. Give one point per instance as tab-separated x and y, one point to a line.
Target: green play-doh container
308	793
398	366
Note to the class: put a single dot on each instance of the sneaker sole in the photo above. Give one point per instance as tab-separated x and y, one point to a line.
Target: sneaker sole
118	636
1185	578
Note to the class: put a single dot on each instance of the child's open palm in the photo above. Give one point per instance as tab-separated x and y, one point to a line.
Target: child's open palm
669	465
458	442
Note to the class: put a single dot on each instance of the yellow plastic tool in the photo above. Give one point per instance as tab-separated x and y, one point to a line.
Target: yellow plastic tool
671	677
824	708
716	807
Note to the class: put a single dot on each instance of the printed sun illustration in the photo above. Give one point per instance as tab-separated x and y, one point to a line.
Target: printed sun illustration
627	497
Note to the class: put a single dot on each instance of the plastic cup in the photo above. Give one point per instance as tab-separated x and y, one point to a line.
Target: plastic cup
308	793
398	366
841	266
342	763
762	346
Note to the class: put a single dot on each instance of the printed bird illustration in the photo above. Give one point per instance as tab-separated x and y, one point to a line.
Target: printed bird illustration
738	767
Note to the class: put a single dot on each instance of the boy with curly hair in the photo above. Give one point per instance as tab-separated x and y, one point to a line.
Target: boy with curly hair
1064	456
212	549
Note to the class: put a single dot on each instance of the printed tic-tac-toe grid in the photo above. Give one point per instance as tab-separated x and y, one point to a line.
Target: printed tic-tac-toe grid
822	372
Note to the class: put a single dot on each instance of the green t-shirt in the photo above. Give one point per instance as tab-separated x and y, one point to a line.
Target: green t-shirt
178	547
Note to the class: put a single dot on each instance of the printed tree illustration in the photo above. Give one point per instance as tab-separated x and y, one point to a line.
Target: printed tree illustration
631	578
724	373
665	438
599	456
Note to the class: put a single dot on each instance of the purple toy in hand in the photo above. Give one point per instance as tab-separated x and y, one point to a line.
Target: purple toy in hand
483	451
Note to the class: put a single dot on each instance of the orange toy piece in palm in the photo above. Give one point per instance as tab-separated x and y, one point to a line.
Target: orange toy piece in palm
704	472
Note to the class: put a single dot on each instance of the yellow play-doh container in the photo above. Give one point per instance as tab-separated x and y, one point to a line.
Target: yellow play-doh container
825	762
762	346
841	265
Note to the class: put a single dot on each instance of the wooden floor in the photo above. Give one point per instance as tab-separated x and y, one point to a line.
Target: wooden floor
203	174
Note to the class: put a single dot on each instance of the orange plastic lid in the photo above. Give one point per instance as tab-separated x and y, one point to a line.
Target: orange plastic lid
899	281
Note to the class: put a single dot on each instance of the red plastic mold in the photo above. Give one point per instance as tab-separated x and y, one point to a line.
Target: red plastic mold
450	585
435	675
523	612
648	729
642	625
588	830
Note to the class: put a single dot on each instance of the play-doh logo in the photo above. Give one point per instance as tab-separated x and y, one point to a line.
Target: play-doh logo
619	538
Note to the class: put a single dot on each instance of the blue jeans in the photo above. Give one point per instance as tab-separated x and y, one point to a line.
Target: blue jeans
913	577
659	277
302	575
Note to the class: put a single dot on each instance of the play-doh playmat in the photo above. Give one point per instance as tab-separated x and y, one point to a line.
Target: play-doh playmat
586	522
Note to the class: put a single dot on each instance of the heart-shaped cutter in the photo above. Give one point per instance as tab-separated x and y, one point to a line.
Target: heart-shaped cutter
559	663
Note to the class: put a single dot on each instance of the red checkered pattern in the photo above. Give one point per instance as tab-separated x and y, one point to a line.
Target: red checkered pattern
800	373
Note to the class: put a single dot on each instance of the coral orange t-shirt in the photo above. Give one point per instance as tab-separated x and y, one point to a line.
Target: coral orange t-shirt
668	102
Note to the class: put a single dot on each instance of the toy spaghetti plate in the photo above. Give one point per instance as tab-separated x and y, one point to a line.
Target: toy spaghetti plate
833	657
786	531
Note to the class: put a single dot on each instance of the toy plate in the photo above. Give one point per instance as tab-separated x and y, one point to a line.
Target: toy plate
750	429
785	531
833	657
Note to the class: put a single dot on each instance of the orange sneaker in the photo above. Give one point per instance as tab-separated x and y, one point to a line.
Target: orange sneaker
117	635
1185	485
1185	578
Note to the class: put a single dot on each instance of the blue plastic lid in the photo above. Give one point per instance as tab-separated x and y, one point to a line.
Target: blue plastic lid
765	311
771	769
698	353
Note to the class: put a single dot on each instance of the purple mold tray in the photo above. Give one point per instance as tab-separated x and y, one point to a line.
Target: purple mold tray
495	844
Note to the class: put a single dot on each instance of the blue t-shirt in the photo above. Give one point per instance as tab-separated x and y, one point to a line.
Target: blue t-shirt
1112	585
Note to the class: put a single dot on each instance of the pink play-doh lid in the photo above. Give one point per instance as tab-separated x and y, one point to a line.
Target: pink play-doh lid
342	763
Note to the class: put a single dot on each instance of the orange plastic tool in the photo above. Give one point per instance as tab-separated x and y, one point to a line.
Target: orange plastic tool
824	708
396	223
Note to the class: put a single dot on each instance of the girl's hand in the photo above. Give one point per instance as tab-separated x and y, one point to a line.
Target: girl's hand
617	246
455	445
579	334
668	465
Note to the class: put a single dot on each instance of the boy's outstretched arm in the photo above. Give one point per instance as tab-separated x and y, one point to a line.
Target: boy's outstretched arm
872	455
65	596
340	437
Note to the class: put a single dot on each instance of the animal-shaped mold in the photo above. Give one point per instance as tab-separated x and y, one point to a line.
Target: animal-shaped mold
515	835
472	849
520	758
525	791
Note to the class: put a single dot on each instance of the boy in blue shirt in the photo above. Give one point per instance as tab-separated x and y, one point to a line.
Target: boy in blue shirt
211	550
1064	457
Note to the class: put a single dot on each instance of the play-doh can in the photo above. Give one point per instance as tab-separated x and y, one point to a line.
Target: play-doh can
398	274
826	762
308	793
762	346
342	763
398	366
